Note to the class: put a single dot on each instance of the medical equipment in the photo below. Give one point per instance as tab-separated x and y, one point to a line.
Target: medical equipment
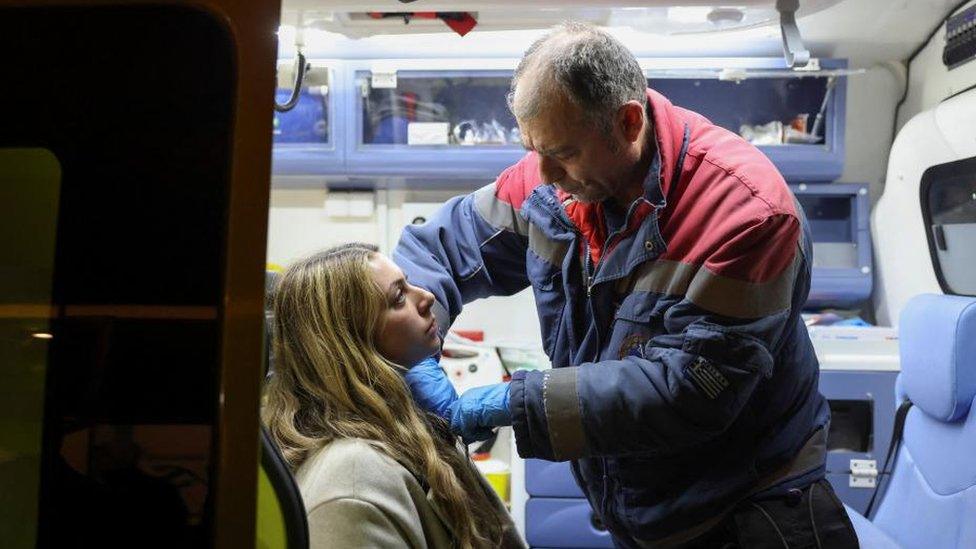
470	364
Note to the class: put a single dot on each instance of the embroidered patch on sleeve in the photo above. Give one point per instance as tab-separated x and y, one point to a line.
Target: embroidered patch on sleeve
707	377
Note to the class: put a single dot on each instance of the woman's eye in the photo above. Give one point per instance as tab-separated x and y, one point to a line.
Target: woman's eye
400	299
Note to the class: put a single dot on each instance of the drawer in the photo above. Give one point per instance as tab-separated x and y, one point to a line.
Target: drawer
569	523
550	479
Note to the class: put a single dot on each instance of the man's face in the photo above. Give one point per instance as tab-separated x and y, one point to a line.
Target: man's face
574	155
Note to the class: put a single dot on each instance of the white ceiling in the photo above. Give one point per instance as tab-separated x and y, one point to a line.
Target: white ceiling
864	31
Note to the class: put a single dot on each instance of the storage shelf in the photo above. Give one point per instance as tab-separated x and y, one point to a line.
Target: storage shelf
421	122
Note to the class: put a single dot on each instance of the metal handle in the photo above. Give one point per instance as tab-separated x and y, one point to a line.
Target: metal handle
793	50
301	67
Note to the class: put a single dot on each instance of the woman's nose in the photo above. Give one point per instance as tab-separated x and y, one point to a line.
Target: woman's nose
426	301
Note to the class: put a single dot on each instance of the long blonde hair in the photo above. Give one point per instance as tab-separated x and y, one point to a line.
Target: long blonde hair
330	382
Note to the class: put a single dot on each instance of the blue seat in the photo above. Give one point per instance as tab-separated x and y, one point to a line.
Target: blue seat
931	498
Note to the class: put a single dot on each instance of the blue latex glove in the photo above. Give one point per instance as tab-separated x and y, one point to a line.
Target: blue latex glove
476	412
430	387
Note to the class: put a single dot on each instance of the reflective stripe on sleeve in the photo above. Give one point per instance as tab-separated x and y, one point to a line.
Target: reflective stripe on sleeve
561	399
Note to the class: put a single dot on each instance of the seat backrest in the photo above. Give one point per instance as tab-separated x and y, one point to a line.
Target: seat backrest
931	499
286	491
275	467
270	282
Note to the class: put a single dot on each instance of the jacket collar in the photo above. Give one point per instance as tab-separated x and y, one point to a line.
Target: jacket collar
669	132
669	136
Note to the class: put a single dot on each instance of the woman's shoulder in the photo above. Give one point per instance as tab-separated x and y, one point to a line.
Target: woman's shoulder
355	468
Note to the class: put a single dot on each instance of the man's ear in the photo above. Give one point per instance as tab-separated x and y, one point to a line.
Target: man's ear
630	120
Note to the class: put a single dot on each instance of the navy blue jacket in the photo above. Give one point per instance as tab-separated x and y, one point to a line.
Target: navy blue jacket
683	376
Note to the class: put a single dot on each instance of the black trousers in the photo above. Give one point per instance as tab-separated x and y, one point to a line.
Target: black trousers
811	517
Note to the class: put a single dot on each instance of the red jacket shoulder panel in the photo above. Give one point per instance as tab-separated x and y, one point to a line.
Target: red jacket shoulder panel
518	181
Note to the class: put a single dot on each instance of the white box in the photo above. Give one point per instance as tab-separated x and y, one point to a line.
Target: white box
427	133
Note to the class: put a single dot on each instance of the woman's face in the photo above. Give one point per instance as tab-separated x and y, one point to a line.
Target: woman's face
407	329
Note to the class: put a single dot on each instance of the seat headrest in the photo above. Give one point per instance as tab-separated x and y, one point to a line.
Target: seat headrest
937	343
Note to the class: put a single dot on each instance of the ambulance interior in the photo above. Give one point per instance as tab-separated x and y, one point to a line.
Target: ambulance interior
384	110
864	106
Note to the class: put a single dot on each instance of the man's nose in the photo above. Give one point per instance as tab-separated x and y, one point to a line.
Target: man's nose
550	171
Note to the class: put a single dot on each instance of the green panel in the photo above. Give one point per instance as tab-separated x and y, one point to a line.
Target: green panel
30	185
270	522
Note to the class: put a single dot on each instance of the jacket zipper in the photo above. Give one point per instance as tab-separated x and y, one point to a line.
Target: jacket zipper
588	274
605	500
588	278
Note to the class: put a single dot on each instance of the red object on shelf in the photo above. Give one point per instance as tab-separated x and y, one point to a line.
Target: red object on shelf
460	22
473	335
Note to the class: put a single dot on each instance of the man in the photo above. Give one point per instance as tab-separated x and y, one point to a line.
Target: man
669	263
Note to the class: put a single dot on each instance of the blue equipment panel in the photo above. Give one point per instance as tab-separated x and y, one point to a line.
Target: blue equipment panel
845	389
568	523
839	215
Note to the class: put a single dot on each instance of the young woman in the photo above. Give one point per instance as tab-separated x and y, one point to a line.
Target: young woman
374	470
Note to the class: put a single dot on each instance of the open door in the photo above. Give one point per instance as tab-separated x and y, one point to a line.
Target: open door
134	171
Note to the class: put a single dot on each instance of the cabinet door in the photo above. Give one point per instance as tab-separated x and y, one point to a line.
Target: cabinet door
433	123
774	108
127	262
838	214
306	137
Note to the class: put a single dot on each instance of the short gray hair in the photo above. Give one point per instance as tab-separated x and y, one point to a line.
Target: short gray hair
593	69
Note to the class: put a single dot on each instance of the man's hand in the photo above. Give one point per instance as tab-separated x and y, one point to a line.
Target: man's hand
476	412
430	387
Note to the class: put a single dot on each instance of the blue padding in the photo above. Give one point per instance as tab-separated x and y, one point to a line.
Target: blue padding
945	453
869	536
913	513
563	522
937	342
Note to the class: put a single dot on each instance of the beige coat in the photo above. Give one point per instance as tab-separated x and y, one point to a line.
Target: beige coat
357	496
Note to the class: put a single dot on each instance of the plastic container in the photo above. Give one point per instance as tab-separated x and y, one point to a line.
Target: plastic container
498	475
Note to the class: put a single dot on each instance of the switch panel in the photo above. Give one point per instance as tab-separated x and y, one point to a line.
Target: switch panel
960	38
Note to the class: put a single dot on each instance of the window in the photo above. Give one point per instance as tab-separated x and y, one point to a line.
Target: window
30	184
949	210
